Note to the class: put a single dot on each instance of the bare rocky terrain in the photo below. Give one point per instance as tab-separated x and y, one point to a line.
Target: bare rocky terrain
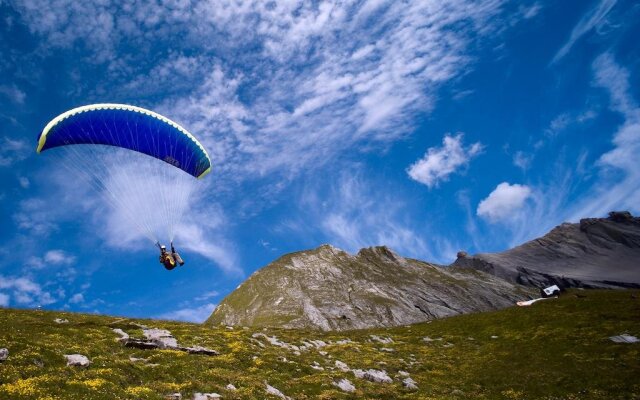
595	253
329	289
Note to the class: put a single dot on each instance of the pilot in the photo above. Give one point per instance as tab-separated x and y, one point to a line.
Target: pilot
169	260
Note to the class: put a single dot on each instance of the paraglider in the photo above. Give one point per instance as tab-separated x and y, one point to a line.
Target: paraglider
143	164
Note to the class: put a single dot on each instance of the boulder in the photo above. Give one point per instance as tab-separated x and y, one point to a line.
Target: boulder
77	360
345	385
4	354
206	396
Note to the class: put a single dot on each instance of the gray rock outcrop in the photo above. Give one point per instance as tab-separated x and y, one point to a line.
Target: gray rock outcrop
329	289
4	354
77	360
595	253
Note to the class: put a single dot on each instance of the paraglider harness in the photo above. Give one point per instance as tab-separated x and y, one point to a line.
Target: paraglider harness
169	260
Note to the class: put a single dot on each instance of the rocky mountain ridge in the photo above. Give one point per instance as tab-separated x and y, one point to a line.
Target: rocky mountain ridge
595	253
329	289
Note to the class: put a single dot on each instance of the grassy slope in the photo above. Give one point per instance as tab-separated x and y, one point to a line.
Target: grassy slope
556	349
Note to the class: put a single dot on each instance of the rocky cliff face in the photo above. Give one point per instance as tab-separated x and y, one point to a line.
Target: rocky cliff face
596	253
329	289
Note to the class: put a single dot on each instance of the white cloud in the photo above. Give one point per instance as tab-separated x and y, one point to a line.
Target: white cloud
12	151
58	257
4	300
24	182
522	160
440	162
77	298
13	93
593	18
25	291
504	202
196	314
208	295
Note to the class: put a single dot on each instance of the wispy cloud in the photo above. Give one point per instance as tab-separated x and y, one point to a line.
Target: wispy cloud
619	183
196	314
13	93
593	18
12	150
440	162
358	213
313	74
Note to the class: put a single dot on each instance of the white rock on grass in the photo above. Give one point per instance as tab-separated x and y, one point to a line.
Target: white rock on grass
345	385
271	390
77	360
206	396
231	387
173	396
61	321
317	366
342	366
344	341
624	338
4	354
373	375
386	349
161	337
124	336
409	384
323	353
403	373
382	340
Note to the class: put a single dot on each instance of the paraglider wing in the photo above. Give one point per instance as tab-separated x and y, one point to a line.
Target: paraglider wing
128	127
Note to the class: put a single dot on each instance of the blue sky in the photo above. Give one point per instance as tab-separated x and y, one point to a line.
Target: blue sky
424	126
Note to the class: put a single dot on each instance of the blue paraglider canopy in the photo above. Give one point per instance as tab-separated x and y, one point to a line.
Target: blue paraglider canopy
128	127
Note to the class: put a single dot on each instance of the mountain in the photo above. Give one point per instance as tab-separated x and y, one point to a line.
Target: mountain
329	289
595	253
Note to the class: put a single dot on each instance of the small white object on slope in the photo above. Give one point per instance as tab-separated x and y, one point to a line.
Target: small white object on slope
206	396
624	338
530	302
345	385
77	360
161	337
231	387
342	366
124	336
4	353
276	392
373	375
409	384
61	321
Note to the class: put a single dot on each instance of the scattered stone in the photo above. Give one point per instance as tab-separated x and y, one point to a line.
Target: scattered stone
173	396
4	354
345	385
624	338
457	392
282	359
297	353
388	350
230	327
231	387
271	390
38	363
134	359
161	337
317	366
342	366
494	337
123	335
373	375
410	384
323	353
447	345
428	339
379	339
77	360
206	396
403	373
61	321
199	350
344	341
